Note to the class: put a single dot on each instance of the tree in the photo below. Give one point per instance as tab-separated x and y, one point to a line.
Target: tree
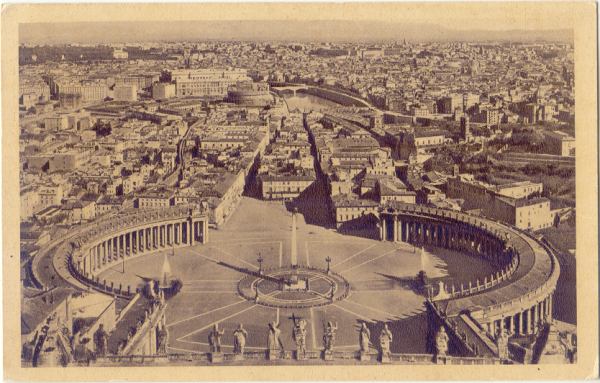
102	128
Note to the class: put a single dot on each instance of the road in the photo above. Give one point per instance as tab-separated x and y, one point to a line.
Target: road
172	178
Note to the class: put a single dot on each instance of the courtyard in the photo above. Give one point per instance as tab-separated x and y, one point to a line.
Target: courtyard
380	277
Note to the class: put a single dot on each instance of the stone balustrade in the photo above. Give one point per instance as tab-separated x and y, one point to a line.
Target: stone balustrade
312	357
144	336
478	286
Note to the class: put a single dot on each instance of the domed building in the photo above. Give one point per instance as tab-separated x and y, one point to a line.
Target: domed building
250	94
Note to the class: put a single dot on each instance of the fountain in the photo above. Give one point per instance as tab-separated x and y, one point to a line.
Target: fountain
292	282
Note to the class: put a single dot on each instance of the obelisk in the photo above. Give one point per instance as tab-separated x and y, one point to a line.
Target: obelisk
294	253
294	245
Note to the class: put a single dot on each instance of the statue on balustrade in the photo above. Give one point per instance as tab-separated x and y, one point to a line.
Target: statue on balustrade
100	341
273	341
441	342
214	338
299	336
329	337
27	351
385	339
239	339
364	338
161	340
502	343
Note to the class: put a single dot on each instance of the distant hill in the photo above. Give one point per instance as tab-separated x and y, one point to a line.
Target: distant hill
271	30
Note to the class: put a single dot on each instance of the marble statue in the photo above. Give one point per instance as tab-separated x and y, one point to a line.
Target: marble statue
385	339
100	341
214	338
441	341
299	336
329	337
502	343
161	340
364	337
273	340
239	339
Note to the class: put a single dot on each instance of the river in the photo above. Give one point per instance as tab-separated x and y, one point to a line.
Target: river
307	102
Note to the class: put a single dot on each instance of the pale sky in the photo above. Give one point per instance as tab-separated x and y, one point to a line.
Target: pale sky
107	32
305	21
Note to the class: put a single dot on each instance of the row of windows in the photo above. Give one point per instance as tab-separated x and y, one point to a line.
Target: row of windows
348	217
532	206
293	183
283	189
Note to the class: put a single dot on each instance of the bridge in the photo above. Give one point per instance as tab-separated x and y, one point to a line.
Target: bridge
347	99
288	89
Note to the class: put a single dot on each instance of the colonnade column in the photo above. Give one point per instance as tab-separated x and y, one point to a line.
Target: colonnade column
400	230
134	243
91	262
97	261
191	232
159	231
140	245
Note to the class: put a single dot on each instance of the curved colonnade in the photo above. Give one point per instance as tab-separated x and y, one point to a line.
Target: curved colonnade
101	245
517	298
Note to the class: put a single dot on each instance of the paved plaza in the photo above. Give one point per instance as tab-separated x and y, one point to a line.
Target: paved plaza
380	276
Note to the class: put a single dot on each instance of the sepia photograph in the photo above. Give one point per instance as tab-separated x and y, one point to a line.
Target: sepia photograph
300	187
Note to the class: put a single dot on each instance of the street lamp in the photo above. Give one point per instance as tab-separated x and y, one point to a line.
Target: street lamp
328	260
260	261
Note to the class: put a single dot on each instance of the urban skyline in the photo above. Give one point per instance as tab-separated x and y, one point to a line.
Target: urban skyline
277	30
239	202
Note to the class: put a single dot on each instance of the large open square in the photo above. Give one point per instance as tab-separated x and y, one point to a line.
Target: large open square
380	277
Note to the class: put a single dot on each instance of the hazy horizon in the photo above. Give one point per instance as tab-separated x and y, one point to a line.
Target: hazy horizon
271	30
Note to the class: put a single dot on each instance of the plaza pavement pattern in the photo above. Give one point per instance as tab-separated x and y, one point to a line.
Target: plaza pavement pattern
379	274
